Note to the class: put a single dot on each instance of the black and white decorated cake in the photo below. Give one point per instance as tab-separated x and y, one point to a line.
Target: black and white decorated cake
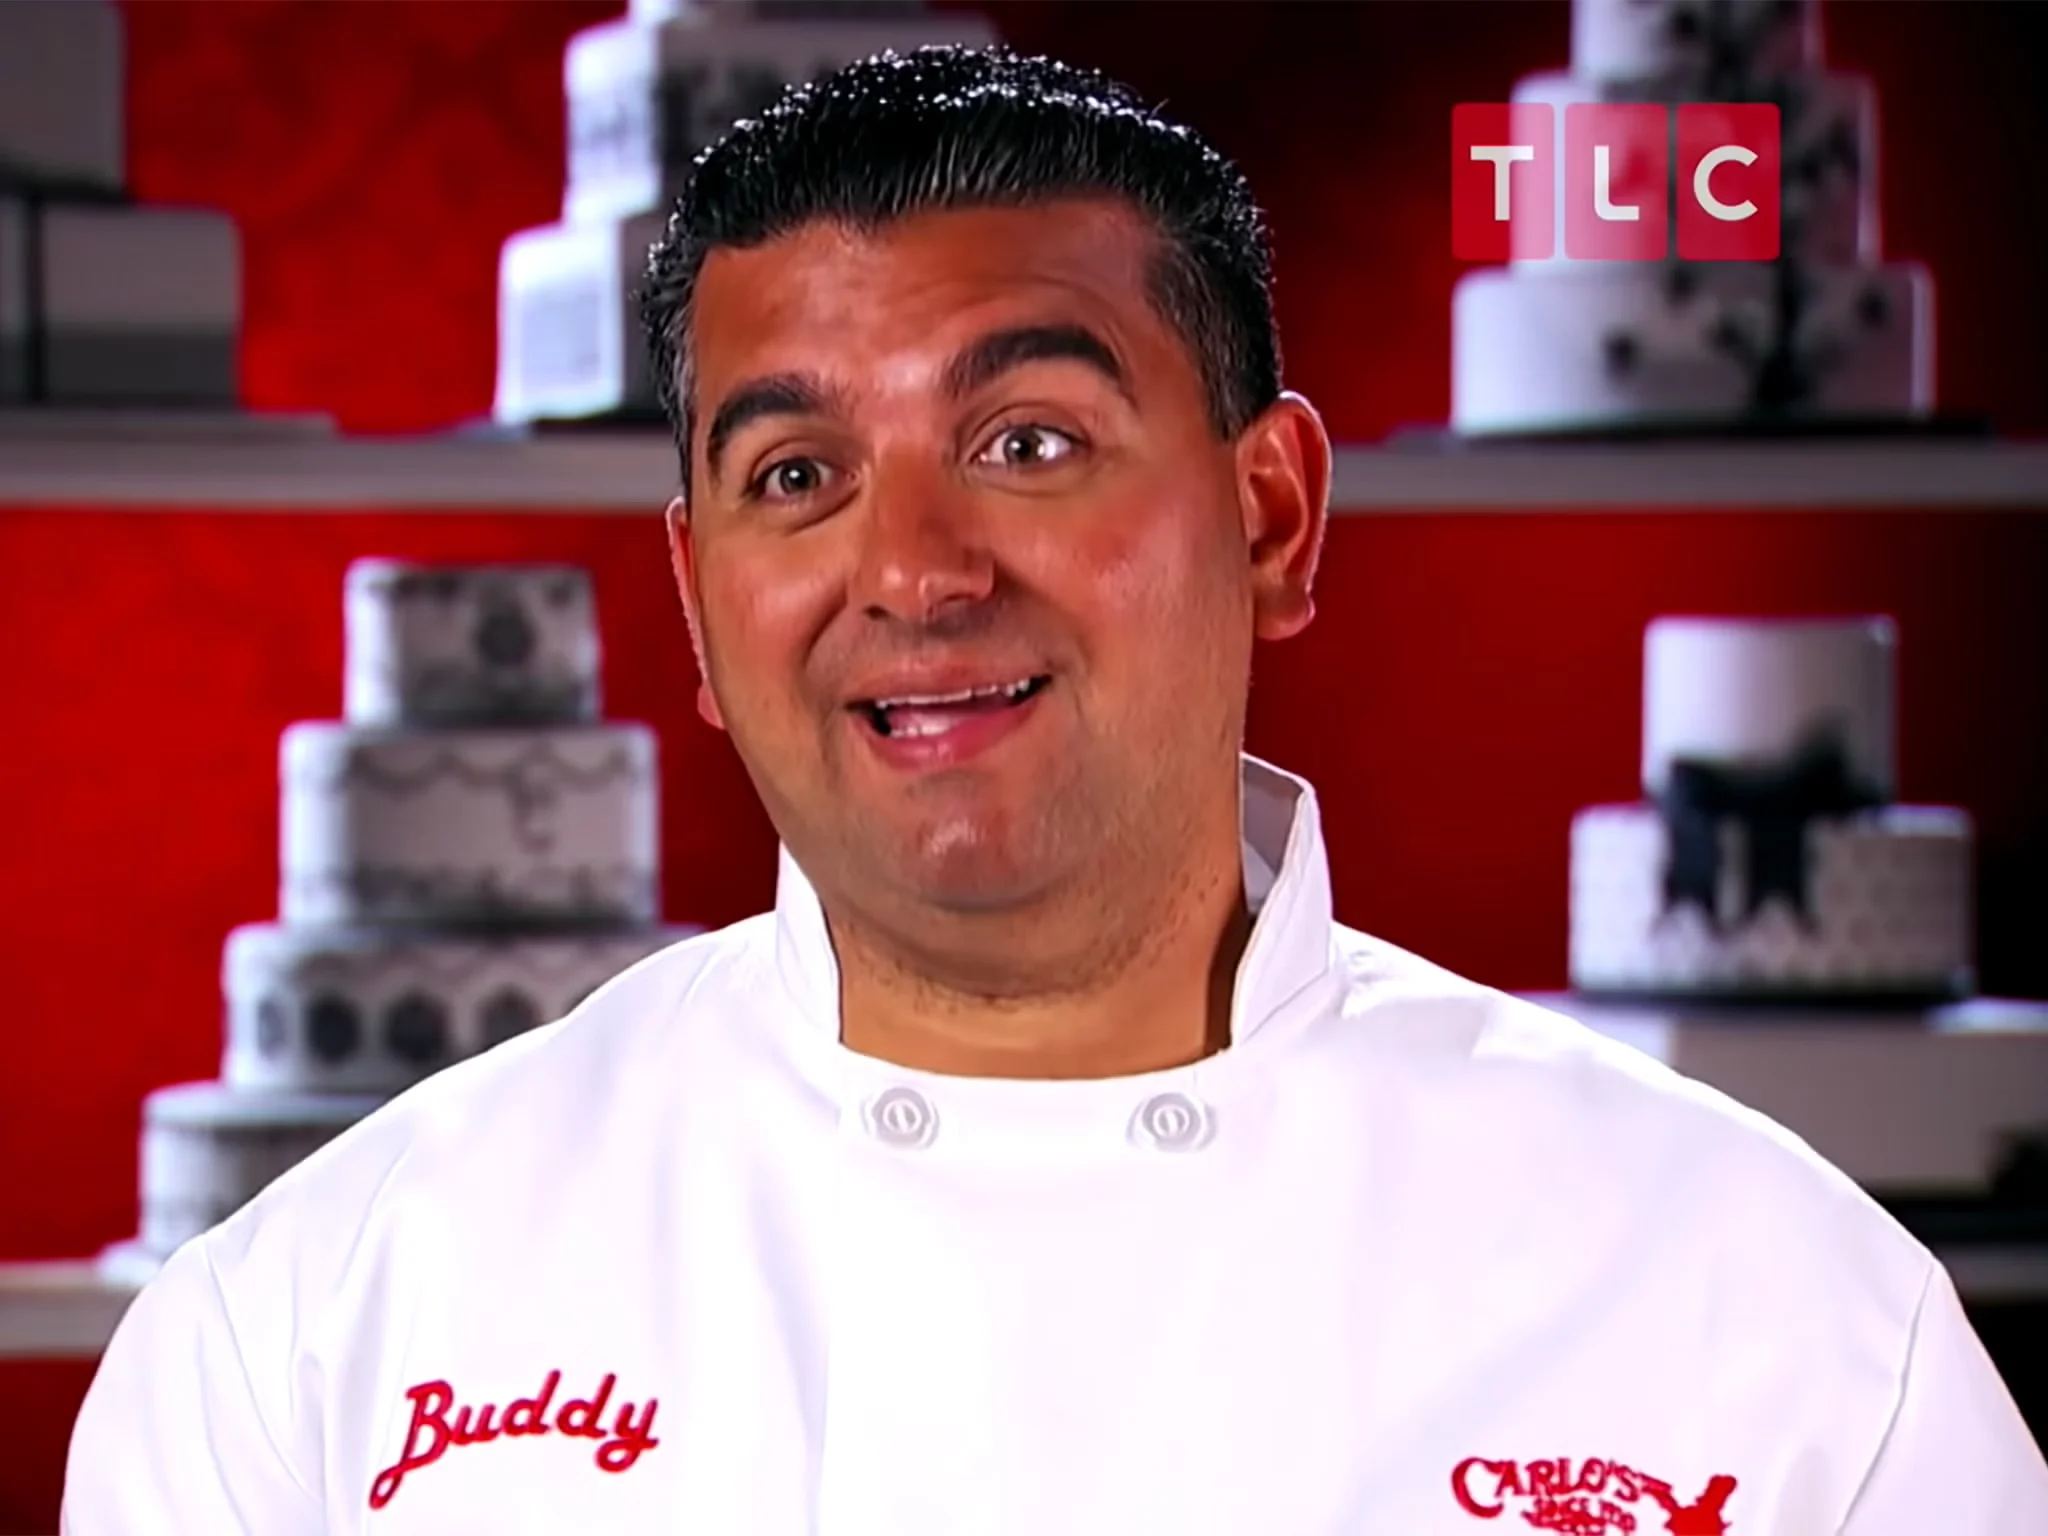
646	93
103	300
1829	332
1769	862
467	857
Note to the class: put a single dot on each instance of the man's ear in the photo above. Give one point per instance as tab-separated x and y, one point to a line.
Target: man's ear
682	560
1283	492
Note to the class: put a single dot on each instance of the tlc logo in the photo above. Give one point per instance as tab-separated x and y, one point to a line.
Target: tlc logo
1618	183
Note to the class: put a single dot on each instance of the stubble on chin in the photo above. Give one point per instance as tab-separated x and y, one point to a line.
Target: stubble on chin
967	860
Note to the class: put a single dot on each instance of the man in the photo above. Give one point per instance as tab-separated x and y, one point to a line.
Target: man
1048	1161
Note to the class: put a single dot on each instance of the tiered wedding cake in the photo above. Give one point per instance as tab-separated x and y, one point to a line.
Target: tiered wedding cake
1770	862
467	857
103	301
1827	332
646	94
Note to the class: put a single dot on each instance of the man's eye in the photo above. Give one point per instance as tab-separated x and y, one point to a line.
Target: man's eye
1027	447
789	479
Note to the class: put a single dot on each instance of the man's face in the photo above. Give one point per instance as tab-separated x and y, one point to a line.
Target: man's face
974	583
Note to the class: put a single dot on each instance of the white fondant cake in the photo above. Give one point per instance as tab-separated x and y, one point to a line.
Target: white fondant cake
645	94
569	340
1702	43
1889	906
354	1010
209	1148
471	828
445	887
1768	863
1824	333
467	647
138	305
63	113
645	97
102	301
1753	691
1568	347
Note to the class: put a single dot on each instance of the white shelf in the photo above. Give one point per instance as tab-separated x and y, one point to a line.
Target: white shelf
58	1311
259	463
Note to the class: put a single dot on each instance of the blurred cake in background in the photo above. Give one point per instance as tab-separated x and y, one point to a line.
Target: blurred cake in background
1769	861
1829	333
104	301
466	857
645	94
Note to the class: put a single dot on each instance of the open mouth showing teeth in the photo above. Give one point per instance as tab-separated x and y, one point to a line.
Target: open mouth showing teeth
934	714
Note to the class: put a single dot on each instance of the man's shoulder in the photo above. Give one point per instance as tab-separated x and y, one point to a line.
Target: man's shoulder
548	1087
1537	1105
1474	1038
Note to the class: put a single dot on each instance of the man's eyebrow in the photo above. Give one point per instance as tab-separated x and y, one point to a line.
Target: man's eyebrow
776	394
975	366
989	357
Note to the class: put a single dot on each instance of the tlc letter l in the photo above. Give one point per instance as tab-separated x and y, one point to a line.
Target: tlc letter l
1619	198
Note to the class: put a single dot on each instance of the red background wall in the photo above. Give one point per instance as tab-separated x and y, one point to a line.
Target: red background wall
1471	681
377	154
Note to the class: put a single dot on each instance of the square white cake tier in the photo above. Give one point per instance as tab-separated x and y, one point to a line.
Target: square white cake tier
569	341
62	108
112	303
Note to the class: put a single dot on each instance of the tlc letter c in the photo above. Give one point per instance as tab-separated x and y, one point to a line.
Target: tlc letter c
1703	188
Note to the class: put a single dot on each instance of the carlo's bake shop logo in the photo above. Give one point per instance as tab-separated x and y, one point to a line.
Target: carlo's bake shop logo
1587	1498
439	1424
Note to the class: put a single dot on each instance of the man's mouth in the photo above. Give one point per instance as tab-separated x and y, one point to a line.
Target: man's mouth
933	714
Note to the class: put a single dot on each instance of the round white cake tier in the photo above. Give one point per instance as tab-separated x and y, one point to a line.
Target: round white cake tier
207	1150
1828	215
645	98
1751	693
1889	896
469	829
376	1010
1585	347
1706	43
469	645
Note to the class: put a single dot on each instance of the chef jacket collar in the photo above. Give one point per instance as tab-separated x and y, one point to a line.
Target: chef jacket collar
1287	884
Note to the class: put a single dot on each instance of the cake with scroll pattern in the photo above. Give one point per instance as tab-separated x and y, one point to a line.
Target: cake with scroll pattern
465	857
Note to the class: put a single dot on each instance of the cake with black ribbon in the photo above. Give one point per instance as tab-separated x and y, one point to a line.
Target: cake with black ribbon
645	95
1769	859
466	857
104	300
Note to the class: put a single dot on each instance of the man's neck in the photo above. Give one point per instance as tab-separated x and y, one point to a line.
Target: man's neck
1150	994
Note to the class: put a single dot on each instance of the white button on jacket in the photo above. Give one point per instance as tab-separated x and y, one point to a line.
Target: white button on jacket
1410	1256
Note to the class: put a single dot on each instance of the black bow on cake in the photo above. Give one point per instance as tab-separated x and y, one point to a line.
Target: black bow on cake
1774	804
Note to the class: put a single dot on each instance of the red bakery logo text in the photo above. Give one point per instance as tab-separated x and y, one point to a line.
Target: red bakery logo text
439	1423
1628	180
1587	1498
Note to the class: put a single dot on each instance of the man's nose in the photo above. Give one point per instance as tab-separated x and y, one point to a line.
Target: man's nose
922	549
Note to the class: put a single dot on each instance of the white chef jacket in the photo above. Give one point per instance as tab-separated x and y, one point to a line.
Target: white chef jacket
1409	1256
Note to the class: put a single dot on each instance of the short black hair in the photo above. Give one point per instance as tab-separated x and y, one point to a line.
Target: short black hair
952	127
